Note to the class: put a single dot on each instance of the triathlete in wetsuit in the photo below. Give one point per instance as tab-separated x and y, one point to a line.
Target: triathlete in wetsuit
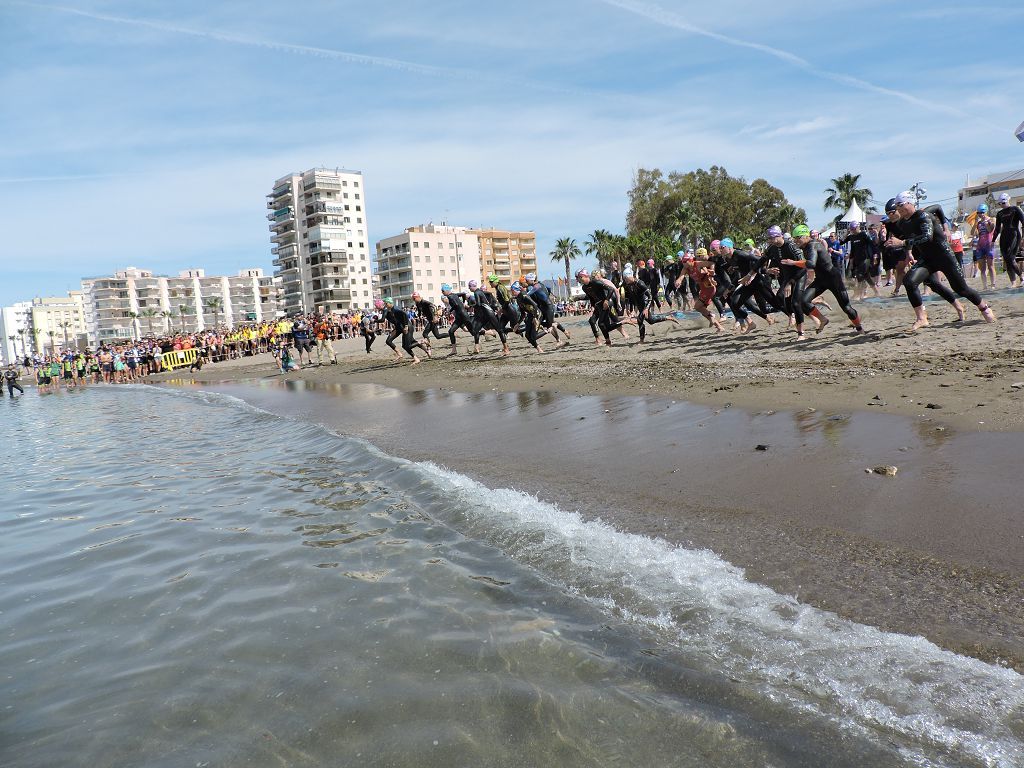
752	283
984	251
460	317
368	325
602	298
899	227
542	298
671	274
485	317
1009	226
930	246
427	311
508	314
401	326
638	294
826	277
787	263
653	280
530	314
862	257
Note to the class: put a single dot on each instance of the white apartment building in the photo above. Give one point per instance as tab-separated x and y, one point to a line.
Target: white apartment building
15	337
986	189
58	322
320	246
135	302
423	258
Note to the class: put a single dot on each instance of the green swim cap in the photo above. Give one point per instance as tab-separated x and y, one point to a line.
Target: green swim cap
749	243
801	230
389	301
493	278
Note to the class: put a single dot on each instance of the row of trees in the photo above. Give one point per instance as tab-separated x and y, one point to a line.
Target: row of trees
668	213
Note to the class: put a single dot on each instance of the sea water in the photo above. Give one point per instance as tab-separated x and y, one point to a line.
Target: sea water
188	581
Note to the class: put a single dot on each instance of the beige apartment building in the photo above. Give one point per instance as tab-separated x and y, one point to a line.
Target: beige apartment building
58	322
135	302
507	254
320	247
425	257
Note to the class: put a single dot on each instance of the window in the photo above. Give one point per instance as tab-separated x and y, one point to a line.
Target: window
359	207
346	207
362	245
364	281
417	273
415	244
345	195
426	245
429	273
359	219
344	184
355	183
357	195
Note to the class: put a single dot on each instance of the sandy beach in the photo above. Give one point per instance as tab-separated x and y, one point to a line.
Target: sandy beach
661	439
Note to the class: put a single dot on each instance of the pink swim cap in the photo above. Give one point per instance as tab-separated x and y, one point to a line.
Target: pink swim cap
715	244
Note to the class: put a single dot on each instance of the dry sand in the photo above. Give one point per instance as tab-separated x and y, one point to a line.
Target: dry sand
936	551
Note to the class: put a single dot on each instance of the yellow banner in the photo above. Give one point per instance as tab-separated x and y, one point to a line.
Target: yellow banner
179	358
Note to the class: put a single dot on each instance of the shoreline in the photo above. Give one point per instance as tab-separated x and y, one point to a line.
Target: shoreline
936	551
950	374
887	552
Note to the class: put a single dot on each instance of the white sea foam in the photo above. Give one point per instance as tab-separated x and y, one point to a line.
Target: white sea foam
861	677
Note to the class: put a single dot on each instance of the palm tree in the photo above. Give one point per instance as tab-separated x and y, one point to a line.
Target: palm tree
844	192
135	319
599	245
214	303
565	251
167	315
64	326
33	333
692	227
12	337
51	334
183	312
149	314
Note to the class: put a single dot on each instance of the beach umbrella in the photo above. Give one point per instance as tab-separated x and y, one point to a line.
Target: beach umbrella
1020	132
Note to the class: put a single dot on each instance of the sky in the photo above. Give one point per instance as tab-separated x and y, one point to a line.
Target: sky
149	133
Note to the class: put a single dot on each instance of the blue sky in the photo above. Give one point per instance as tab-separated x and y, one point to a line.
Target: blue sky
148	133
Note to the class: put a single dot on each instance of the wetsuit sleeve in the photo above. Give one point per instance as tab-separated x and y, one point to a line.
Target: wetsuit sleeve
921	231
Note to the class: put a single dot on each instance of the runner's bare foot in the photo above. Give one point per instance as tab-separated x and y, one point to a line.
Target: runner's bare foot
921	322
821	326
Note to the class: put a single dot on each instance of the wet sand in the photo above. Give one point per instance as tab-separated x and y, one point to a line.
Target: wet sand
937	550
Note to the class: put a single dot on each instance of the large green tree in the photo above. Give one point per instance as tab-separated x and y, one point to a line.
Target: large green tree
690	208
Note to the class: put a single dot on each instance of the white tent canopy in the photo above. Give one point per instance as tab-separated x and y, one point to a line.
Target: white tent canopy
854	214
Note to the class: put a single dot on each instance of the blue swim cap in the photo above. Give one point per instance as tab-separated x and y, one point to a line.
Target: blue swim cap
445	287
726	242
516	287
982	208
680	254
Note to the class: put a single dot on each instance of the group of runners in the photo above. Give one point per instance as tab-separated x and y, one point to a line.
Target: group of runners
789	276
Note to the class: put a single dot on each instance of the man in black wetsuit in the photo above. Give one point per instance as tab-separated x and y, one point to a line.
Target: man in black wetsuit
529	312
542	298
826	277
602	298
922	233
863	259
485	316
401	326
638	294
427	311
508	314
749	264
1009	225
460	317
11	380
785	261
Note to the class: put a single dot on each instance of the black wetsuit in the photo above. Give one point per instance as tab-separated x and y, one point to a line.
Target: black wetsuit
366	327
862	255
530	314
485	316
509	314
460	317
427	312
11	379
400	326
791	279
925	238
604	318
542	298
1009	223
639	295
899	230
759	288
826	278
653	280
725	285
671	273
